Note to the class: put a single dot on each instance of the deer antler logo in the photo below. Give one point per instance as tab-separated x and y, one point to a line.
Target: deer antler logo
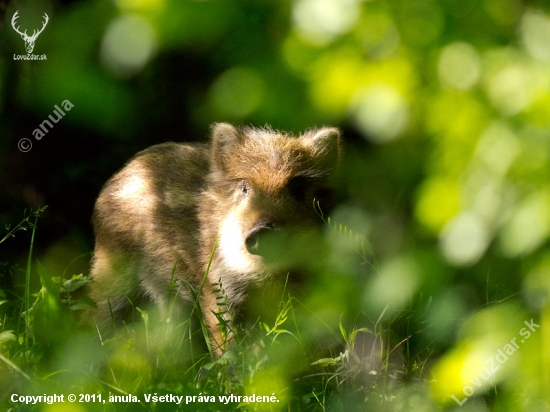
29	40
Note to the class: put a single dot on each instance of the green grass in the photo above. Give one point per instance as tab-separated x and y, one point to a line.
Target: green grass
320	351
297	358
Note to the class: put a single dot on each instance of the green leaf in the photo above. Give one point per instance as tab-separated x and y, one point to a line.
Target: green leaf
76	282
326	361
46	280
83	303
342	330
355	332
7	335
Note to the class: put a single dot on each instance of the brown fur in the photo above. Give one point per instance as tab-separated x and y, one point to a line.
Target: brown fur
172	201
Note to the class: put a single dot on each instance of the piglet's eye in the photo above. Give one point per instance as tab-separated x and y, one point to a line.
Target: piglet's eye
297	188
243	187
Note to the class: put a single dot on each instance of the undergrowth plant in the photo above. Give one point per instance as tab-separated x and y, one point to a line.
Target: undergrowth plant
44	350
31	324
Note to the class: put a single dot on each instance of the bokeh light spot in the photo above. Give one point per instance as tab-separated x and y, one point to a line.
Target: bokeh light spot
509	89
335	82
528	227
237	92
379	35
140	4
319	21
483	193
394	284
381	113
497	148
128	44
438	202
63	407
535	31
464	240
459	66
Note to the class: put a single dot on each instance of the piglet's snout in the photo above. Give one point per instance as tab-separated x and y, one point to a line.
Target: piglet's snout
256	238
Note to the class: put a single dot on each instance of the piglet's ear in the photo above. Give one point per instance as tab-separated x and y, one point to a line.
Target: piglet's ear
224	139
326	145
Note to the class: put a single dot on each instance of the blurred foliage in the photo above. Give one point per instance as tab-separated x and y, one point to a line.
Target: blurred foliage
446	109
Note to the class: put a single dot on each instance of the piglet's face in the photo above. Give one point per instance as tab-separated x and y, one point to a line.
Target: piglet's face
269	183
